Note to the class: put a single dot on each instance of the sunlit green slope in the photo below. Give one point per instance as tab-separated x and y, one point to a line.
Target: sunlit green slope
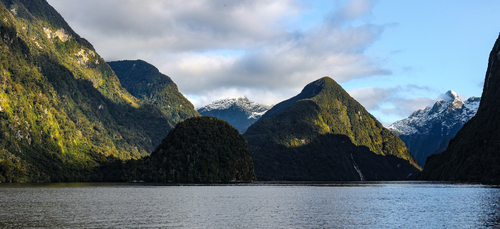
62	108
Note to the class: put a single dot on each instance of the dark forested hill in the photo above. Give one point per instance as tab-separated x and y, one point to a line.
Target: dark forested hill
62	108
474	153
324	134
146	83
198	150
203	149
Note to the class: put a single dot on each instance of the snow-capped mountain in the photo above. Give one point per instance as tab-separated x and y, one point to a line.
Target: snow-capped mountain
425	130
239	112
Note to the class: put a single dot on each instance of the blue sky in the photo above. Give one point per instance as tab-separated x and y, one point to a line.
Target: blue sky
432	45
393	56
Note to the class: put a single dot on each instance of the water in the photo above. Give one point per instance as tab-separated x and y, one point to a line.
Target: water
346	205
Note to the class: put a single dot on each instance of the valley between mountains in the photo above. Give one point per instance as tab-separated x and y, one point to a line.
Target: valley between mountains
68	115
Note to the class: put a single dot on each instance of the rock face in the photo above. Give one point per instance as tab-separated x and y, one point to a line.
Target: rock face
239	112
62	109
202	149
426	130
146	83
324	134
474	153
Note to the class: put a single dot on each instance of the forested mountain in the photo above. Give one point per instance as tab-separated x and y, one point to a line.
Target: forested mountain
239	112
62	108
203	149
474	153
146	83
324	134
427	131
198	150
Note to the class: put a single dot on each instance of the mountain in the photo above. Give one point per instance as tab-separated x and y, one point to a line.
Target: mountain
198	150
146	83
239	112
426	130
473	154
203	149
63	110
324	134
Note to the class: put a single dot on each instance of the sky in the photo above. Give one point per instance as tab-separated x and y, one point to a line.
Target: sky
392	56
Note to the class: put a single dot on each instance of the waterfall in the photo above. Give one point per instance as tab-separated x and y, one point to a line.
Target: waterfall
361	177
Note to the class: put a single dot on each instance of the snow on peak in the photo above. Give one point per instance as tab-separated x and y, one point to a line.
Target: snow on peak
449	111
255	109
451	96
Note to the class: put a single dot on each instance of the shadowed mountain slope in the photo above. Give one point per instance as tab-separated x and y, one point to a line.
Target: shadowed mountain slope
324	125
146	83
474	153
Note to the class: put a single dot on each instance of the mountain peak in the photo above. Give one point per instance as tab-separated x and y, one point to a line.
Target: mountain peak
311	90
434	124
226	103
315	87
451	96
319	135
239	112
450	101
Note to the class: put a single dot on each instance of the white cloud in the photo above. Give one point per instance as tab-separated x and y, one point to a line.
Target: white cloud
175	26
190	42
394	103
351	10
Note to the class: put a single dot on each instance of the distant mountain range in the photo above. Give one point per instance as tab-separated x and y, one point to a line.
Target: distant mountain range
324	134
473	155
429	130
239	112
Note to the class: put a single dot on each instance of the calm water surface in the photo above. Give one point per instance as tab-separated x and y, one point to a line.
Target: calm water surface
347	205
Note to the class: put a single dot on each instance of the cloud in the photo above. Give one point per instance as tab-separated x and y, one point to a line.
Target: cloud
351	11
175	26
394	103
222	47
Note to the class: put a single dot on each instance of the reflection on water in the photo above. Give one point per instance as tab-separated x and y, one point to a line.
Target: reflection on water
261	205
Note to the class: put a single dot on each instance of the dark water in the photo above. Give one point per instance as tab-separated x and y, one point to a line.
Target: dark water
348	205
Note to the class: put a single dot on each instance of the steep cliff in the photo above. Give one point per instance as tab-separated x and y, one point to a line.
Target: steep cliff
474	153
62	109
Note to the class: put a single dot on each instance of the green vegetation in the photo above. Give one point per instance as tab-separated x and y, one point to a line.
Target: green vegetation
303	126
146	83
64	116
203	149
62	109
197	150
473	154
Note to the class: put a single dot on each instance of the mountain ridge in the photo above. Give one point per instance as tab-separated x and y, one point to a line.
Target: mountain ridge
239	112
148	84
313	123
63	110
426	129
